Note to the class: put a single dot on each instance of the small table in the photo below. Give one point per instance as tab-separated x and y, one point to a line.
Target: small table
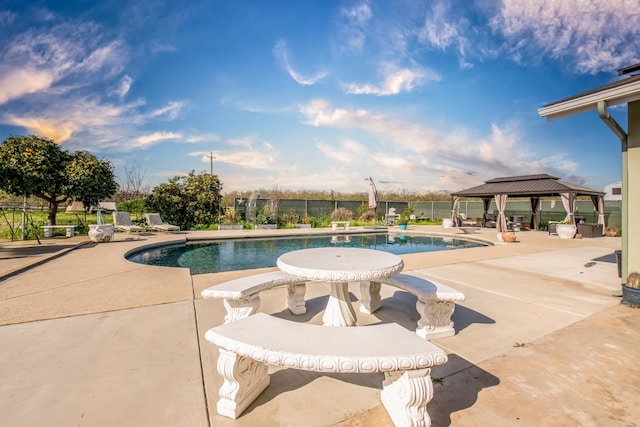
339	266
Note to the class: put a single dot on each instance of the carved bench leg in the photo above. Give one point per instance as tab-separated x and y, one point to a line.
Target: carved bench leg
244	380
370	300
295	298
405	395
239	308
435	319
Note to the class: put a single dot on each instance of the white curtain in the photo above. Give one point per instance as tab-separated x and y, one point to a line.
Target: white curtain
454	205
569	203
598	204
501	202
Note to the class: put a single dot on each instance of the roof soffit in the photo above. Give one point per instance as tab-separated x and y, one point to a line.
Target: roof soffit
623	91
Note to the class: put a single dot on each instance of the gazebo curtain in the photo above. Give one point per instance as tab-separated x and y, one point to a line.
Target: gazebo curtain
535	204
598	203
454	205
569	203
501	202
486	202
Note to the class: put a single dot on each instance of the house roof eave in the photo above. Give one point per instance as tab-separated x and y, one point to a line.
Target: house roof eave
624	91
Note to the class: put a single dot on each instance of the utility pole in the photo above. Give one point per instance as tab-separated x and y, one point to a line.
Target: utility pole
210	156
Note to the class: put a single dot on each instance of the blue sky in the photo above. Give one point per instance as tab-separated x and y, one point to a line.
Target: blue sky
419	95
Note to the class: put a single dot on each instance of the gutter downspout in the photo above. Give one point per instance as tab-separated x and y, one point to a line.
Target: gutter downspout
620	133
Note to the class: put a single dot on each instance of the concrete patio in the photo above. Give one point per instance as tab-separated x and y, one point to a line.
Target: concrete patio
89	338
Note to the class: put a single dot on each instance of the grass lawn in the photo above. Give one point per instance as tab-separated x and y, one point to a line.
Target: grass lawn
13	220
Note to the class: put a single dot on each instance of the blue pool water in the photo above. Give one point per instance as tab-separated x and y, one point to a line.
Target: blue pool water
243	254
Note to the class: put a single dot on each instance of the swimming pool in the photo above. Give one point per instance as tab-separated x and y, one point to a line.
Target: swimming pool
214	256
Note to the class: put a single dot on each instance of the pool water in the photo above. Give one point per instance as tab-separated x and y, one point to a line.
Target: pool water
243	254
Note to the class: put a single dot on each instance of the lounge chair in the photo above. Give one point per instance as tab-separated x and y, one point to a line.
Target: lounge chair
463	221
155	222
122	221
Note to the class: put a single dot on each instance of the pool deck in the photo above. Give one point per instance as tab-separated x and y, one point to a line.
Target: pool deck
89	338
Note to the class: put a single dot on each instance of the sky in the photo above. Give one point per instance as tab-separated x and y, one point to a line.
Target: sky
420	95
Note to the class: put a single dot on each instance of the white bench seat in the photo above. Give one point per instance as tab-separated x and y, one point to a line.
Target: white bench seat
242	296
336	224
69	230
435	305
248	345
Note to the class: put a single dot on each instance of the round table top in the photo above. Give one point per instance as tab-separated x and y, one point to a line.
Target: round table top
340	264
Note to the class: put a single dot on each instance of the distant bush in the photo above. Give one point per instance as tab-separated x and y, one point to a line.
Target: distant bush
341	214
368	215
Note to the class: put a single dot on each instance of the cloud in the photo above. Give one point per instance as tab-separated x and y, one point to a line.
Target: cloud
15	82
347	152
421	152
254	154
395	81
280	51
170	111
125	85
65	51
440	30
195	139
7	17
591	36
445	27
352	31
52	82
59	132
154	138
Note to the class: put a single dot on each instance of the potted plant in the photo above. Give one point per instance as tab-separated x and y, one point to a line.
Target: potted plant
566	230
509	236
631	290
230	221
265	220
404	218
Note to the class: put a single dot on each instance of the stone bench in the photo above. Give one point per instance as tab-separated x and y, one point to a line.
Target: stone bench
48	230
336	224
248	345
435	305
242	296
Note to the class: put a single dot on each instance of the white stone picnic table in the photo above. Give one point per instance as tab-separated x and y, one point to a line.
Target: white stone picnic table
339	266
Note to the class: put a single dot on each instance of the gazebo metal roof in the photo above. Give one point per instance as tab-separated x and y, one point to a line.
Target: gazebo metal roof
526	186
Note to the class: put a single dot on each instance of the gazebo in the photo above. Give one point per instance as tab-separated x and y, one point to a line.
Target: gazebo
533	187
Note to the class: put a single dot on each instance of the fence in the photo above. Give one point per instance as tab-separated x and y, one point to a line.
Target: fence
549	210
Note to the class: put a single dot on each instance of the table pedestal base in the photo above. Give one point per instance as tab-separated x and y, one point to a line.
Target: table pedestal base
339	311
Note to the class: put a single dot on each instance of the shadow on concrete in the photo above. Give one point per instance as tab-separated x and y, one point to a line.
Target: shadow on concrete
458	391
286	380
30	251
453	393
314	306
400	308
607	258
463	317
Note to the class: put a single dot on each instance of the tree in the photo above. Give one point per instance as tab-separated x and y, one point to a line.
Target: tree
187	200
132	188
37	166
90	179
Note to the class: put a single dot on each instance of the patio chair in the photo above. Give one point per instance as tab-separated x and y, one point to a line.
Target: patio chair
392	217
122	221
489	221
155	222
463	221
